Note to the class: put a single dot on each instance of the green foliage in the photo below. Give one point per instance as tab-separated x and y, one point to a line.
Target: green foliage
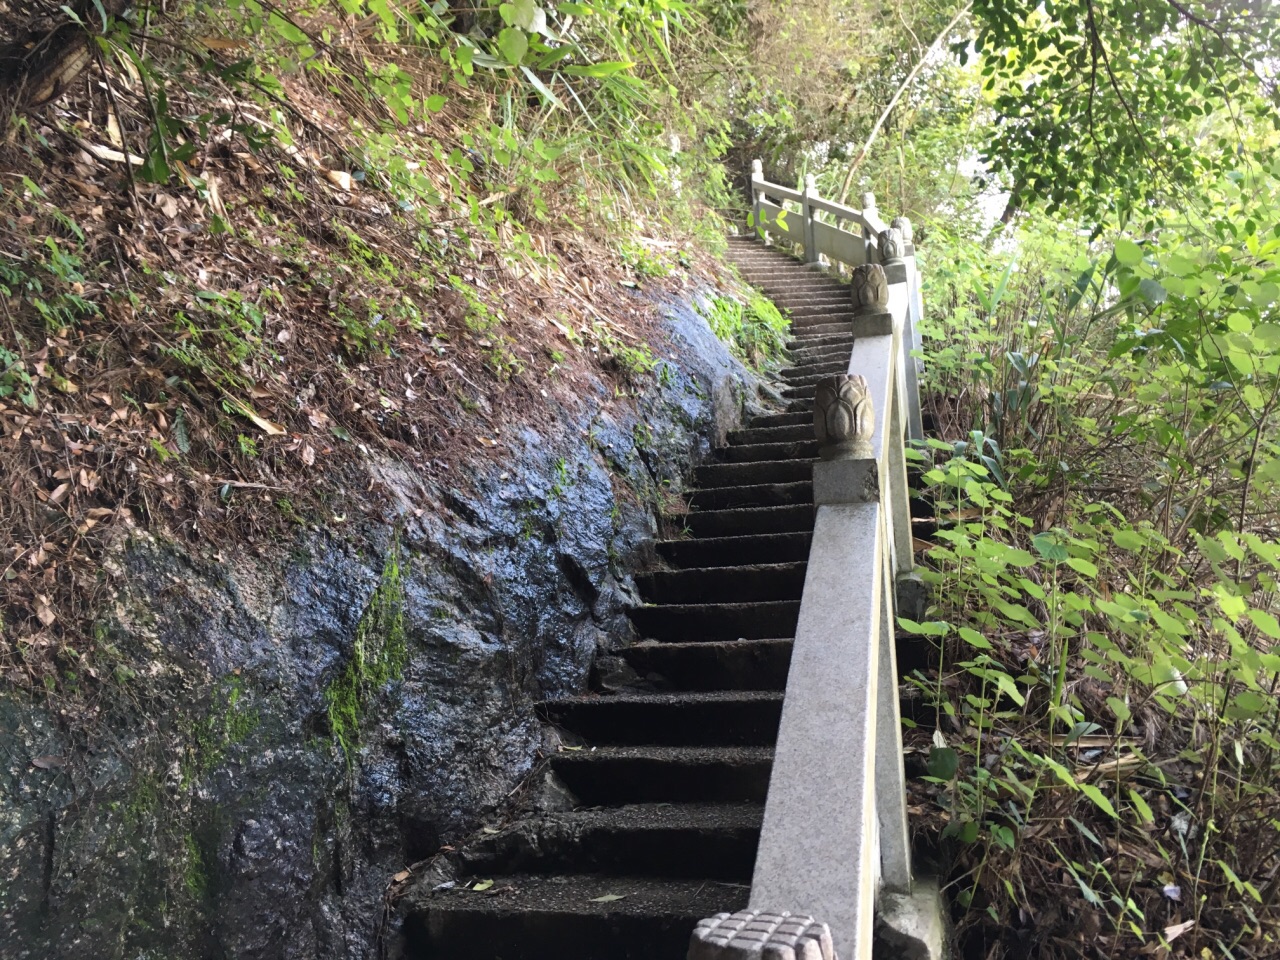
753	328
378	657
1106	564
1104	106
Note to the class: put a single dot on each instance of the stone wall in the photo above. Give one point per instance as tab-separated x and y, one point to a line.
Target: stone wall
291	724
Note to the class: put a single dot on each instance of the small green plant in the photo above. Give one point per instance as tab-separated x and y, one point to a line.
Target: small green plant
753	328
15	381
644	261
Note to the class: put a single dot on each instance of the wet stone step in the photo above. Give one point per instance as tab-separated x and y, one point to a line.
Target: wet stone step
752	474
808	346
815	378
837	363
617	775
715	841
800	325
766	581
728	551
800	393
717	621
555	917
840	306
714	665
756	495
758	452
791	433
750	520
837	352
731	718
800	347
789	301
822	330
774	420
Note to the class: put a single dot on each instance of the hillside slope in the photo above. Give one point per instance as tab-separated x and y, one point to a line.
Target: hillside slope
326	455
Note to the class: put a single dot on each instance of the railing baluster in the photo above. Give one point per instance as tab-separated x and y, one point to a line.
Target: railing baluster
810	240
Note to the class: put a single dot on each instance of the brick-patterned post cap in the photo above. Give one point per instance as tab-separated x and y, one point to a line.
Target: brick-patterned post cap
752	934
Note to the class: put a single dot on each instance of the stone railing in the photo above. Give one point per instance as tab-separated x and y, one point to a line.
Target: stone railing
819	228
834	848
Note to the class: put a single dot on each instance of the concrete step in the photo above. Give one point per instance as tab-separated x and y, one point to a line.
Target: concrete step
727	551
803	347
795	283
617	775
717	621
813	379
828	353
750	520
837	363
723	718
758	452
715	841
812	332
768	581
792	433
801	325
791	301
807	392
751	474
756	495
714	665
575	917
841	307
774	420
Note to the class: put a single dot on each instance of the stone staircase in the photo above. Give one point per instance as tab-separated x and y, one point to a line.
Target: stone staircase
670	774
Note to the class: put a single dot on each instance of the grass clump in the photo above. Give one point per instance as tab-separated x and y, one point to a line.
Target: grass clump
753	327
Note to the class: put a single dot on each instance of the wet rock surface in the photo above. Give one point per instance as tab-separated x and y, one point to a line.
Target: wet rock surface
292	724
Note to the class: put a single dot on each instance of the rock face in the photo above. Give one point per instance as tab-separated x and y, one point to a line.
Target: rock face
291	725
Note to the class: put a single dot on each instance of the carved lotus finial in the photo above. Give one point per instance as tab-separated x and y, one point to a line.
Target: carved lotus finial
757	167
758	933
843	418
868	203
891	245
870	289
903	225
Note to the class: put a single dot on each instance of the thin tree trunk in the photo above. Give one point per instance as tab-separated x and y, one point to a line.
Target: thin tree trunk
903	88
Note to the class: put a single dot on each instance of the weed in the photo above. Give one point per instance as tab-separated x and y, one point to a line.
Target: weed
754	330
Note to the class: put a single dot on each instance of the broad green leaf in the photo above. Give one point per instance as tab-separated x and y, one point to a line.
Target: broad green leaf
943	763
1128	252
1264	621
1047	546
522	13
513	44
1083	567
1128	540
